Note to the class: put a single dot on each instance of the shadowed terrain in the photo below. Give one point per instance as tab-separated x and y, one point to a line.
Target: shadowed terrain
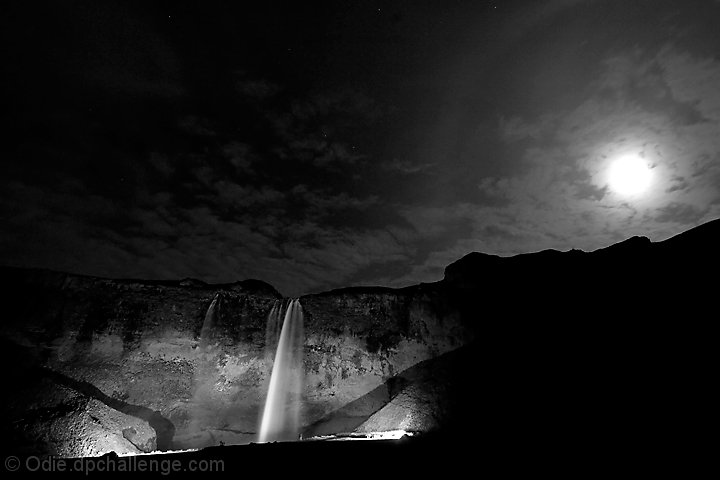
583	352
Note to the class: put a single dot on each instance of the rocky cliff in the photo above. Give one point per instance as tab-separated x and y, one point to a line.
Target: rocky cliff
190	360
538	346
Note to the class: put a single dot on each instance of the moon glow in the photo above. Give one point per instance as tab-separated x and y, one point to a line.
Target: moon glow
629	175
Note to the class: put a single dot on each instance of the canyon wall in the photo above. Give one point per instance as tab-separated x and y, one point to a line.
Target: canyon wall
198	376
606	346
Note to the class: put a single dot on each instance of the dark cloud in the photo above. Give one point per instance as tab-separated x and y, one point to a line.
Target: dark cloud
323	202
256	89
338	103
162	240
243	197
162	164
241	156
319	148
325	130
320	152
407	167
197	126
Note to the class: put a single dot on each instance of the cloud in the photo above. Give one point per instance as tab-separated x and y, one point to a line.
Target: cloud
205	175
693	80
220	212
554	192
516	129
407	167
161	164
324	130
340	102
195	125
296	257
680	213
284	207
238	231
322	202
243	196
629	72
321	152
256	89
684	157
241	156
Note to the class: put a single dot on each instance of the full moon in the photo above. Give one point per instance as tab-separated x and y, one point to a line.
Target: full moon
629	175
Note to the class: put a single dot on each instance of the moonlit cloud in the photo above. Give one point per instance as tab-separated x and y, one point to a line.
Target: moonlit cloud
354	148
407	167
256	89
558	195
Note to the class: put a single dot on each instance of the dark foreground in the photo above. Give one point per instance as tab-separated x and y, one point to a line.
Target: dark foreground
442	454
582	364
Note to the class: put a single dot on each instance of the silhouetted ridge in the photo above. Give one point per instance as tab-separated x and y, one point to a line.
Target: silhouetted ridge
701	242
554	350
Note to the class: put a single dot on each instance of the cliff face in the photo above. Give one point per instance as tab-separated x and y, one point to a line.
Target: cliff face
198	375
139	344
360	340
534	345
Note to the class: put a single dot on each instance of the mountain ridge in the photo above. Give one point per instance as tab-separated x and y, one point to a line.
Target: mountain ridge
703	236
557	345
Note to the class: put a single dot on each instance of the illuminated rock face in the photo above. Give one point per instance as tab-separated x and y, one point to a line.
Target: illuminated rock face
51	418
563	342
199	376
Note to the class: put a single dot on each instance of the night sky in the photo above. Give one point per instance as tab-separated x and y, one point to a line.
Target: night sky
325	144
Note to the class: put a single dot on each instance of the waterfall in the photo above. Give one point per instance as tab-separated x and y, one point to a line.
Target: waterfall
206	331
281	416
272	331
200	408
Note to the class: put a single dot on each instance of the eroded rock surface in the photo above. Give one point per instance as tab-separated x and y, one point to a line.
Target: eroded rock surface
549	343
199	376
48	417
